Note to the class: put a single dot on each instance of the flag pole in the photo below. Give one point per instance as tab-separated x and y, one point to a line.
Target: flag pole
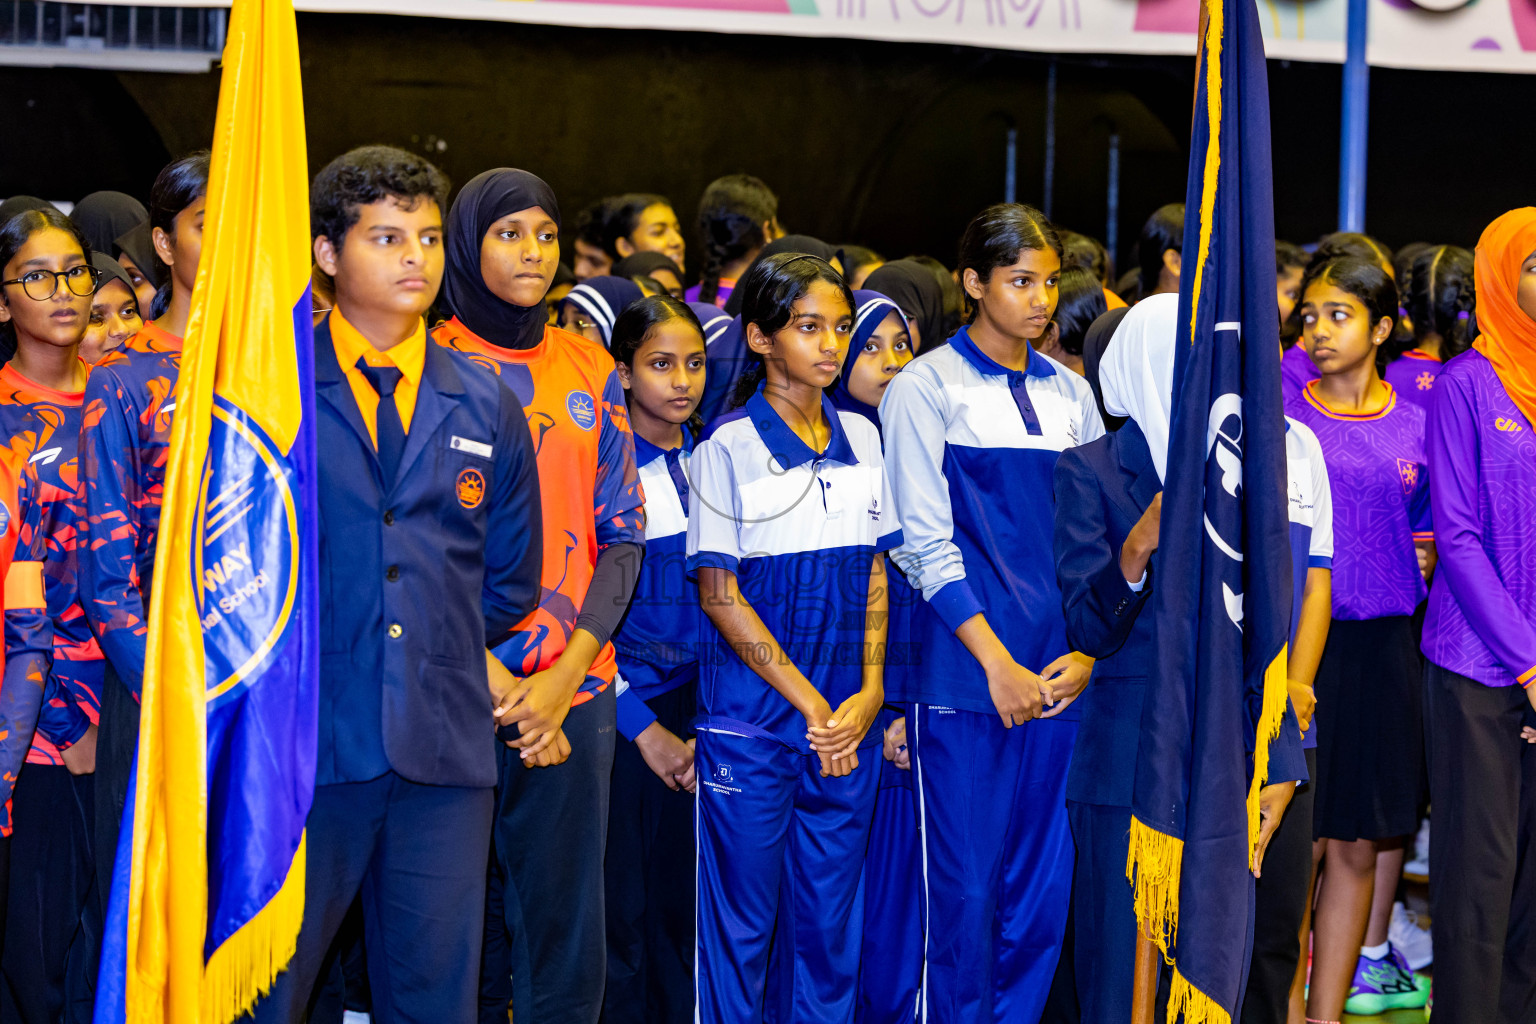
1144	986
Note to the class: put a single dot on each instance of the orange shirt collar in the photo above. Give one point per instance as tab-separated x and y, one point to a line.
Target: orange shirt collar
409	357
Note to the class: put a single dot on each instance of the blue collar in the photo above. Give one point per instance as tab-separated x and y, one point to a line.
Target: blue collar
785	445
646	453
1038	365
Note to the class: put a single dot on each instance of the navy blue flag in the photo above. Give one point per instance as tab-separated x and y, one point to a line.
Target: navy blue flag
1224	600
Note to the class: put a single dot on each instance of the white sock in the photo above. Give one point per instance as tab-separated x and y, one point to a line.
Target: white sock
1376	952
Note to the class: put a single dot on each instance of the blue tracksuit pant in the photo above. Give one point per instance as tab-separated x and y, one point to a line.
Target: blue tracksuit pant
997	861
777	842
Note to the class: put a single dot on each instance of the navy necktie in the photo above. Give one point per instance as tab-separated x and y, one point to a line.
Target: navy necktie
388	429
679	478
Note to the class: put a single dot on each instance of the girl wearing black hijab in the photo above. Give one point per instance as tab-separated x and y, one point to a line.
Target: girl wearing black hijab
503	242
104	217
915	289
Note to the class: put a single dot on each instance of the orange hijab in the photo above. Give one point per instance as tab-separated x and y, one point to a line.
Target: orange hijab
1508	335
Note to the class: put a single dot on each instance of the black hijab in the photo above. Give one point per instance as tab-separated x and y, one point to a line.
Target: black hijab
138	244
17	205
487	198
110	271
640	264
104	217
789	243
1095	342
914	288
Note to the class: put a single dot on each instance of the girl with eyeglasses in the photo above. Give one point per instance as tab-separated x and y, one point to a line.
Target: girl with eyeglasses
48	288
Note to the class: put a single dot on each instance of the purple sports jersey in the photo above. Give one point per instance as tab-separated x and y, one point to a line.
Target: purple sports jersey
41	429
1412	375
1296	371
124	442
1380	482
1482	611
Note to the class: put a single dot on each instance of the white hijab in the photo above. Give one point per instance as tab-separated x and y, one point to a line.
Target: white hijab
1136	371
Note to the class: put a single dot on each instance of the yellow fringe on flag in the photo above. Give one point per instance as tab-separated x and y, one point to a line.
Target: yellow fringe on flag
244	967
1196	1006
1210	59
1270	715
1153	867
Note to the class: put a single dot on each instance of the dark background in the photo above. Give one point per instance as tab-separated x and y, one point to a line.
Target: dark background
892	145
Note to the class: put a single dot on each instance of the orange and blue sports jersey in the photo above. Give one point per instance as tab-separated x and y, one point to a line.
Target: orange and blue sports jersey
590	488
40	429
125	436
28	632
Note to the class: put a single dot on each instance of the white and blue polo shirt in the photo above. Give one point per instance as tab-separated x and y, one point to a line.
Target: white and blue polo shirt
657	643
972	447
800	529
1310	501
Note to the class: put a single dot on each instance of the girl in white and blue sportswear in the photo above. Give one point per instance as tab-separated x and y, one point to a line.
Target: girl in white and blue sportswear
789	517
972	433
658	350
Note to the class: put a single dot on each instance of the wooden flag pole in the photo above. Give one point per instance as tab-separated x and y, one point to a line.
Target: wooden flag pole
1144	986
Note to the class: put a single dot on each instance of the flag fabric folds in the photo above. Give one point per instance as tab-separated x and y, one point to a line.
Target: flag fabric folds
1223	598
209	889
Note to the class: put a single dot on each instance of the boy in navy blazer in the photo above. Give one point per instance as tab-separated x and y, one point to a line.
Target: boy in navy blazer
430	541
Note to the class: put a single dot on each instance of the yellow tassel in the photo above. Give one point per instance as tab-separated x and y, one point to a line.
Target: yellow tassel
1196	1006
1153	867
243	969
1272	711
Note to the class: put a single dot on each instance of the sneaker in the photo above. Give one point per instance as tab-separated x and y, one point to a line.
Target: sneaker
1385	984
1410	938
1419	864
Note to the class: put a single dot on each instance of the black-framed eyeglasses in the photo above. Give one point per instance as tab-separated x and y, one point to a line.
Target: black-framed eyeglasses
42	285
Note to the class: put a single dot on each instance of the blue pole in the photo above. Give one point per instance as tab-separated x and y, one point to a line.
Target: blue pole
1353	121
1050	139
1011	166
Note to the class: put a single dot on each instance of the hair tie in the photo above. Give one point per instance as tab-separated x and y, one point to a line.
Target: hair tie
1402	313
1465	314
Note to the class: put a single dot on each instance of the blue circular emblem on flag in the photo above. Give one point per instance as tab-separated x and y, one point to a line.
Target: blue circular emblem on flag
582	408
244	565
5	516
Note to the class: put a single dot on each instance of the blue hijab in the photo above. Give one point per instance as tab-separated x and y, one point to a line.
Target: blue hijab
871	310
603	299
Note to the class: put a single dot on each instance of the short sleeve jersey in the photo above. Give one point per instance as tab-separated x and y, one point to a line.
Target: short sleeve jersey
657	641
590	490
1379	476
799	529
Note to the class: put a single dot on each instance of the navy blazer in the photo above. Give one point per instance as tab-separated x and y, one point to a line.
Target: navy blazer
1102	489
418	575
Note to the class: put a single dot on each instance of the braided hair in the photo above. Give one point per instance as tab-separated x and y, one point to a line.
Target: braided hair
732	213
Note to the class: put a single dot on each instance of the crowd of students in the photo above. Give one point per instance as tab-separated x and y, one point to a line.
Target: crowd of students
806	595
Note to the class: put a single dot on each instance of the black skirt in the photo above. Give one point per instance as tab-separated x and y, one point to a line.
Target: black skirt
1370	730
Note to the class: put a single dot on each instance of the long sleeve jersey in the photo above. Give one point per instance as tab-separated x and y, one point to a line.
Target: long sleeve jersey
40	427
125	437
972	448
1481	621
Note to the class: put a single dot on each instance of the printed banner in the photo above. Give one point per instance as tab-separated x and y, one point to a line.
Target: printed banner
1465	35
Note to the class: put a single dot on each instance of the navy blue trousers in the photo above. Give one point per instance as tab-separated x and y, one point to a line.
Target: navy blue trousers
416	854
649	879
781	849
997	859
545	944
891	968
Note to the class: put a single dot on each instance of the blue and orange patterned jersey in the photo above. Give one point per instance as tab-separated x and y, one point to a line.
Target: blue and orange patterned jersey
40	428
125	437
28	633
590	488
